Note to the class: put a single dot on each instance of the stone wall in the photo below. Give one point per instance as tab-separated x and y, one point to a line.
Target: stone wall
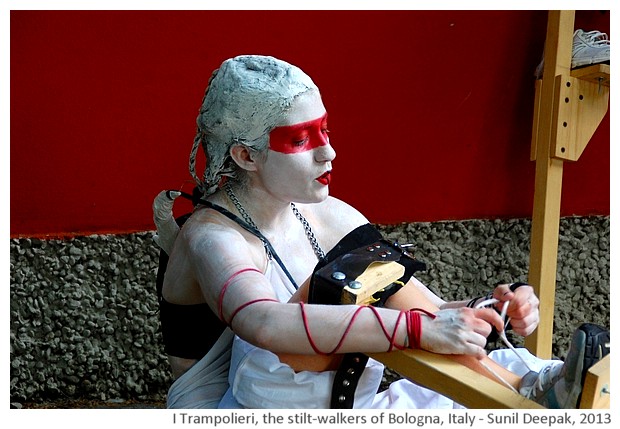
84	321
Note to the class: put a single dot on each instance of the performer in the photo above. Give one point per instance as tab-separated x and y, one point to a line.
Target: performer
264	220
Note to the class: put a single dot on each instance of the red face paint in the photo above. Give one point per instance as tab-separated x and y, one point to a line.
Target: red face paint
299	137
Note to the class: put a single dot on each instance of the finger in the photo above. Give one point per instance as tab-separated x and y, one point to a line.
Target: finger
491	317
523	305
503	293
480	353
475	346
476	351
482	327
526	325
524	294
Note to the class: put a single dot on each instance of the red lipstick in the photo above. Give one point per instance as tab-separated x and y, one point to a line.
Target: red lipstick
325	178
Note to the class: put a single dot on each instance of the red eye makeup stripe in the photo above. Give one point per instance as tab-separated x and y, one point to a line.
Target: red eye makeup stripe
299	137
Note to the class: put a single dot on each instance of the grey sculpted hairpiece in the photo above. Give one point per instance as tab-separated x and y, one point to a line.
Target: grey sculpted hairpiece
245	99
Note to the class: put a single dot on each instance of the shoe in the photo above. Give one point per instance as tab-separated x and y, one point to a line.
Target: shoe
559	385
540	386
590	47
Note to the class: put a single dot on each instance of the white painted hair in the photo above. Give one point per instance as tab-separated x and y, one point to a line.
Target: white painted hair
245	99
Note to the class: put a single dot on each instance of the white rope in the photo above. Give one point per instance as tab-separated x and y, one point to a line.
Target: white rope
499	377
502	335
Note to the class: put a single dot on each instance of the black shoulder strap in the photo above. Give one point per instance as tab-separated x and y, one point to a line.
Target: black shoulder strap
248	228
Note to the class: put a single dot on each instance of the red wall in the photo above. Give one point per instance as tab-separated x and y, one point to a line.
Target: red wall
430	111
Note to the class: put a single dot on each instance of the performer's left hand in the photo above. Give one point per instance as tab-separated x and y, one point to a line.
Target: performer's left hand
522	309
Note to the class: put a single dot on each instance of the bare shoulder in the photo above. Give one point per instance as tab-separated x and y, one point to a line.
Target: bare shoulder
334	209
209	237
333	219
208	248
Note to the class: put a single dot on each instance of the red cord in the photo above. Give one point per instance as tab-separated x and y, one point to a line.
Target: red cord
421	310
223	291
413	320
242	306
414	326
390	338
392	341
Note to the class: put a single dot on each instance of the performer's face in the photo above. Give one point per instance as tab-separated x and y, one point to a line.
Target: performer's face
298	162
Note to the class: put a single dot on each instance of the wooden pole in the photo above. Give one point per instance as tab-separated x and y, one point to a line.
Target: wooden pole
548	182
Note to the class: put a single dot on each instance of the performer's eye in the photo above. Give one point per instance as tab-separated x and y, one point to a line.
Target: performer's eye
301	139
324	129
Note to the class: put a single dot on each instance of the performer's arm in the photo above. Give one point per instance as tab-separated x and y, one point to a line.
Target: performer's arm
245	300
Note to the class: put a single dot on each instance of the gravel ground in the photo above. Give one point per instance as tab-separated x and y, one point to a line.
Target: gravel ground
91	404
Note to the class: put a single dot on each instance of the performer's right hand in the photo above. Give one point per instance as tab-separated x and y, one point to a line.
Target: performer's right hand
459	331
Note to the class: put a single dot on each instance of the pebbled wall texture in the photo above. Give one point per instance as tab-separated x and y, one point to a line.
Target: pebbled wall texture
84	317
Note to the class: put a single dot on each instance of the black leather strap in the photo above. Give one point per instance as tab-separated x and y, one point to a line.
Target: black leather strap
352	365
346	379
516	285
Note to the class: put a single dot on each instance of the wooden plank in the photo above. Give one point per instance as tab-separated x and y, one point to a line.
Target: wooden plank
372	280
580	106
596	387
597	73
444	375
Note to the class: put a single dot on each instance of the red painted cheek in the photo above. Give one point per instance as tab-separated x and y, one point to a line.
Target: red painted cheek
299	137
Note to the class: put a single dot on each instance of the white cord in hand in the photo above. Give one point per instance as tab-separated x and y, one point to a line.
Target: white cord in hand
502	335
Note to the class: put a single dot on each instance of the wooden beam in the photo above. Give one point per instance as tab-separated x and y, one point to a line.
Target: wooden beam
548	182
452	379
597	73
596	387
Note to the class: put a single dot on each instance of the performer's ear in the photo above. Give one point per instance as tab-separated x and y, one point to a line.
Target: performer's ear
244	157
